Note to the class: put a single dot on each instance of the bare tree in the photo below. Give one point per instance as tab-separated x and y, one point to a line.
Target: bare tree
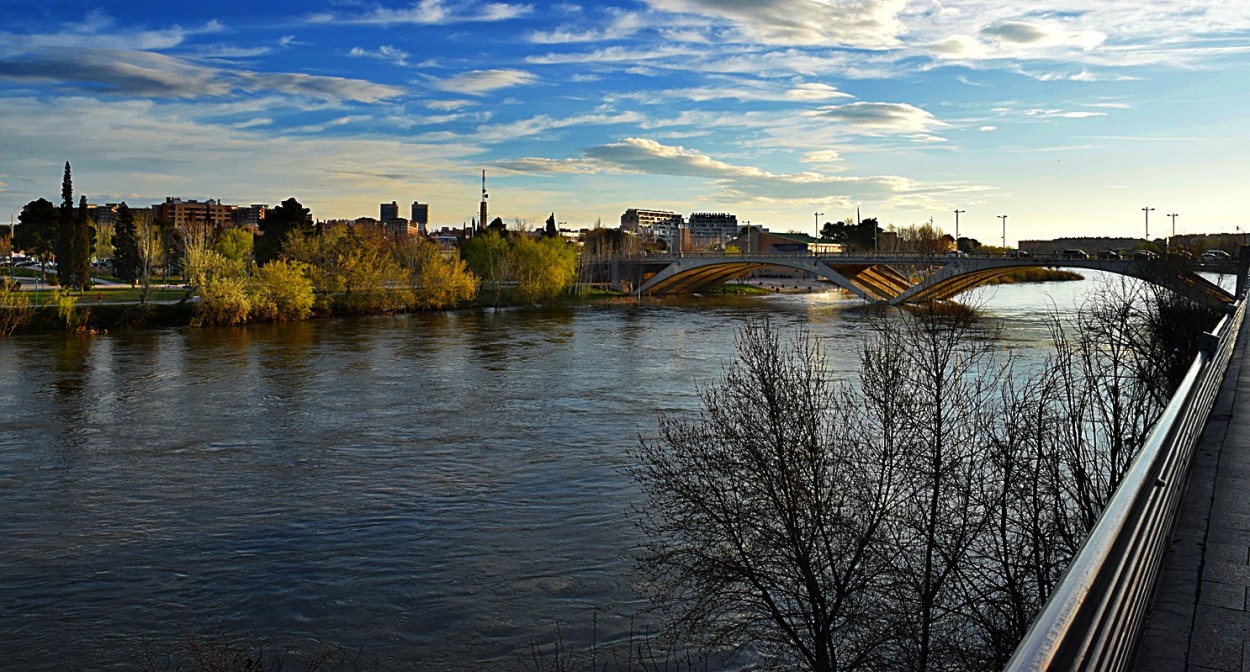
940	397
916	519
762	515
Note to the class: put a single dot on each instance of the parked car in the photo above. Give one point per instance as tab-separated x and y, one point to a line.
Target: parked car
1143	255
956	253
1216	255
1108	254
1018	254
1074	254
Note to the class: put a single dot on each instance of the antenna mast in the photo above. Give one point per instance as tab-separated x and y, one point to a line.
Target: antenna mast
481	222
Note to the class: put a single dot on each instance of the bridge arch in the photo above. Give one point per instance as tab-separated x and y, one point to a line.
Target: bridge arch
964	274
874	278
868	280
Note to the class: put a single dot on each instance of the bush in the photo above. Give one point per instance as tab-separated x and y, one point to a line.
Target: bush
223	301
282	291
15	310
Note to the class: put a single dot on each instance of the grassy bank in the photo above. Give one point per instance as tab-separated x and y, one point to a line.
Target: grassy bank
106	317
1035	274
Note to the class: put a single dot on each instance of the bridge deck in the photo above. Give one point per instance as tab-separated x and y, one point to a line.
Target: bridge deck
1200	616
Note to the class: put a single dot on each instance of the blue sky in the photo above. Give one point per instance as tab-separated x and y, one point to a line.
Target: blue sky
1067	116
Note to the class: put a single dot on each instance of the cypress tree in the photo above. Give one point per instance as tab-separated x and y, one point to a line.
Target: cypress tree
126	260
64	247
84	245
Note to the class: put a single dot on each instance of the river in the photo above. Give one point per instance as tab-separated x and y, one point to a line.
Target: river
436	491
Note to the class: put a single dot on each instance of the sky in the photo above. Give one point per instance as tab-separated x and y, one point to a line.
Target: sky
1068	116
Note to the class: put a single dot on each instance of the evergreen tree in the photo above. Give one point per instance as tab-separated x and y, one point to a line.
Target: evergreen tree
497	224
126	258
551	231
277	226
84	245
64	248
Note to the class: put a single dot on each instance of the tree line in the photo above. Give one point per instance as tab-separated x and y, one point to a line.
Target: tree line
64	233
294	269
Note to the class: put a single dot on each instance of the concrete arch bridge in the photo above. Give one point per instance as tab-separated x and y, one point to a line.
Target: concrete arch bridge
898	278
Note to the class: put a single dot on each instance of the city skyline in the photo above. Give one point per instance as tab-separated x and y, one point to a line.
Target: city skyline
1067	119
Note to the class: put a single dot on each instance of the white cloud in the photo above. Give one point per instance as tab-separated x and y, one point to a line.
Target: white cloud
449	105
988	128
614	55
622	25
430	13
99	31
124	148
829	159
746	183
1060	114
815	91
383	53
870	24
253	123
543	123
734	88
482	82
543	166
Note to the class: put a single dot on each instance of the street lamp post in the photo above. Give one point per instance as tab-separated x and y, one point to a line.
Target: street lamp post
818	215
1004	218
957	228
1147	211
1168	249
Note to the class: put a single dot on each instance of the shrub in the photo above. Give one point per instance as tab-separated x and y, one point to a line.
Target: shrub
223	301
282	291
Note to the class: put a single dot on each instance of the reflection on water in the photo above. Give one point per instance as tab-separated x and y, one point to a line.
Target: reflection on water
435	490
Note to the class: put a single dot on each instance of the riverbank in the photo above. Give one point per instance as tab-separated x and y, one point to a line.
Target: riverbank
99	315
114	309
1035	274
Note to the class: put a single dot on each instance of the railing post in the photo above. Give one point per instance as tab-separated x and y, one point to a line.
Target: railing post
1243	267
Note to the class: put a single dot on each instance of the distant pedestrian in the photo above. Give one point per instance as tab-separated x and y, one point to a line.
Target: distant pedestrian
99	297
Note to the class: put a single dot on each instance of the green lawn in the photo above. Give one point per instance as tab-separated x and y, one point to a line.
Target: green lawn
111	295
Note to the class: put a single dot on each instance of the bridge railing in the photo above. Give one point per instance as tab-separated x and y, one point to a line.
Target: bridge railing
943	257
1093	617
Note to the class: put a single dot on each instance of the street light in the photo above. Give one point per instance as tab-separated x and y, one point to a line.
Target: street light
1168	249
1004	218
818	216
957	228
1147	211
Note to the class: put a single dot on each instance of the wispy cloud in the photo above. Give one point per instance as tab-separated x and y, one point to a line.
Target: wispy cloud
1061	114
385	52
735	182
541	124
482	82
147	74
621	25
615	55
870	24
881	118
430	13
449	105
98	30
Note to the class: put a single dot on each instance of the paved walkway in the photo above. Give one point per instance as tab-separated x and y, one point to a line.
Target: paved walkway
1199	619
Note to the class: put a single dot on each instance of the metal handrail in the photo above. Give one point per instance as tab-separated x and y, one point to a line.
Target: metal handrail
1093	617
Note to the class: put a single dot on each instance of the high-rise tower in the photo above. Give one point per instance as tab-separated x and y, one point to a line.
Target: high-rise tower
481	220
